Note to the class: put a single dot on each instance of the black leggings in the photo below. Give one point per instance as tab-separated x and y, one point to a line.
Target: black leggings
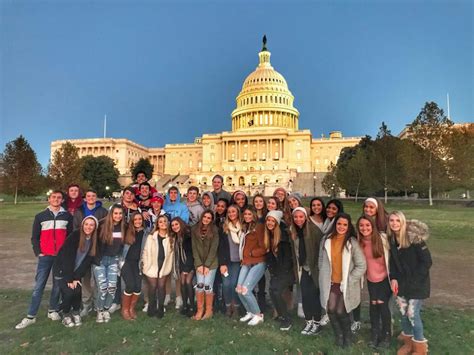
187	289
278	286
336	303
310	297
156	286
131	276
379	311
71	298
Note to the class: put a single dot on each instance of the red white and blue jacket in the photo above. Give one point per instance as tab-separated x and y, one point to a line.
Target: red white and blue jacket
50	231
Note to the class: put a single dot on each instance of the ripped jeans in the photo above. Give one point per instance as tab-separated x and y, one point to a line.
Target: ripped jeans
204	283
411	319
106	275
249	276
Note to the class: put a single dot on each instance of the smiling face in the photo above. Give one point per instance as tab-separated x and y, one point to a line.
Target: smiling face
88	226
299	218
220	207
365	228
271	223
117	215
128	196
156	205
162	223
248	216
141	178
55	199
145	190
293	202
280	195
91	198
258	203
342	226
192	195
206	218
370	209
138	221
206	200
73	192
232	214
175	226
217	184
331	210
173	195
239	200
272	204
394	223
316	207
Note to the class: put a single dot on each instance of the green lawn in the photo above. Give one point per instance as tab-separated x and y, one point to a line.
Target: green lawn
449	329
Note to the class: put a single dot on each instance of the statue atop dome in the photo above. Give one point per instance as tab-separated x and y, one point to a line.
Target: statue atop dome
264	48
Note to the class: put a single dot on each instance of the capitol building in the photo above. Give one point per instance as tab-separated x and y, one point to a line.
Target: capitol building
265	148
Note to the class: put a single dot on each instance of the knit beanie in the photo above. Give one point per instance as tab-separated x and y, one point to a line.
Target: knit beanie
278	215
297	196
301	209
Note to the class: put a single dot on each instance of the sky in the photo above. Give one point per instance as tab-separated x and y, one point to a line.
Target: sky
167	72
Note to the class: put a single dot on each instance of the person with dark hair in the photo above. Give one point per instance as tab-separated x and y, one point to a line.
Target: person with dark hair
140	178
73	199
155	210
341	267
260	206
333	208
221	212
219	192
207	201
50	229
374	208
144	196
194	206
173	205
240	199
317	213
376	249
205	241
134	243
74	259
283	205
111	236
129	203
272	203
184	263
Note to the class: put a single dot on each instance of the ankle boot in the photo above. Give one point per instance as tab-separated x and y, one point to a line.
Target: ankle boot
406	348
345	321
209	303
133	304
200	305
151	306
125	309
161	311
419	347
336	327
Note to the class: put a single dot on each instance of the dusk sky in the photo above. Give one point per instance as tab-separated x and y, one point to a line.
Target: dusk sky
167	72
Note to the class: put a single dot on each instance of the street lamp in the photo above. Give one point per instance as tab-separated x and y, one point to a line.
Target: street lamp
314	184
333	187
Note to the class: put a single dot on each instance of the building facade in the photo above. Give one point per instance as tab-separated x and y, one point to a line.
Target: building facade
264	149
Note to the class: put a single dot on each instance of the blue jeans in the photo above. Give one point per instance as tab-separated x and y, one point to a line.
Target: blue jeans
106	280
249	277
411	319
230	282
205	283
45	264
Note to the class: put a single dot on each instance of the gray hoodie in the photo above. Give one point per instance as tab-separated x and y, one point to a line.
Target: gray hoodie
195	212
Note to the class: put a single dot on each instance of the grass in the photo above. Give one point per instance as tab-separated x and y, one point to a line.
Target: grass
449	330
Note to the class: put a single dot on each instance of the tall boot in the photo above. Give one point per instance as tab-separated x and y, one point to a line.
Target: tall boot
184	295
345	321
125	309
420	347
336	327
151	304
192	307
209	303
407	346
133	304
200	305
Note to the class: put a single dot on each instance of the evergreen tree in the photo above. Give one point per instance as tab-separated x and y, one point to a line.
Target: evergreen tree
100	173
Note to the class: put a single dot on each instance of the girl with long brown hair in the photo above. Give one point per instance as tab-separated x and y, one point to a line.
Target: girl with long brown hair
374	209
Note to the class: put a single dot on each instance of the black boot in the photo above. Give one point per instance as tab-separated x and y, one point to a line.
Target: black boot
151	307
374	338
336	327
161	311
345	321
384	340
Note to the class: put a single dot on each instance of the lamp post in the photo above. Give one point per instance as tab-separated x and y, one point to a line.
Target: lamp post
107	188
314	185
333	187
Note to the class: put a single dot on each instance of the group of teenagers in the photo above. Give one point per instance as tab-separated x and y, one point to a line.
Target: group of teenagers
224	252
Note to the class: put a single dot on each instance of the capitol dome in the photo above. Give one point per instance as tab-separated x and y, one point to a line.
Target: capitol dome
265	100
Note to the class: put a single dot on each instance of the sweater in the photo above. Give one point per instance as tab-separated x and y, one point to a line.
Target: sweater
98	212
151	255
253	248
205	249
49	231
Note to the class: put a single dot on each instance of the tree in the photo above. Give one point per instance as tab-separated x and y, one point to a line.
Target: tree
355	175
461	162
330	183
100	174
143	164
21	169
65	167
430	130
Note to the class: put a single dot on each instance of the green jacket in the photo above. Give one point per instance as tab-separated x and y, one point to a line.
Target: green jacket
205	250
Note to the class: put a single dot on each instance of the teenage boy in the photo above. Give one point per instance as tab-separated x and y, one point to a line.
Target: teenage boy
50	229
173	205
145	195
73	199
140	178
219	192
195	208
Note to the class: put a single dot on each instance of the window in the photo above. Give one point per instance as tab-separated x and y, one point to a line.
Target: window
298	154
190	163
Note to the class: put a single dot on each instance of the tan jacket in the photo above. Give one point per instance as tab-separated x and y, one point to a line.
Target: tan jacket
150	257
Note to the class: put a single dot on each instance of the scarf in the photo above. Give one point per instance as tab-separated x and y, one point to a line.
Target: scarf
301	246
235	232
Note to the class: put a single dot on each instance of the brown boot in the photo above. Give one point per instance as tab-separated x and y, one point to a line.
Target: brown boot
200	306
125	309
209	302
229	309
133	304
406	348
420	347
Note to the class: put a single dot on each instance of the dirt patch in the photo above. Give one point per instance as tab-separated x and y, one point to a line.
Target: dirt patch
451	275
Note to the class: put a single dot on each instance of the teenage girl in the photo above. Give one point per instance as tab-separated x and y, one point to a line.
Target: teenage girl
317	213
333	208
374	208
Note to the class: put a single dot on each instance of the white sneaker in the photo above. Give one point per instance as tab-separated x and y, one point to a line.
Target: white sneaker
54	316
25	322
179	302
77	319
106	315
114	307
247	317
355	326
300	310
100	317
68	323
167	300
324	320
308	327
256	320
145	308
